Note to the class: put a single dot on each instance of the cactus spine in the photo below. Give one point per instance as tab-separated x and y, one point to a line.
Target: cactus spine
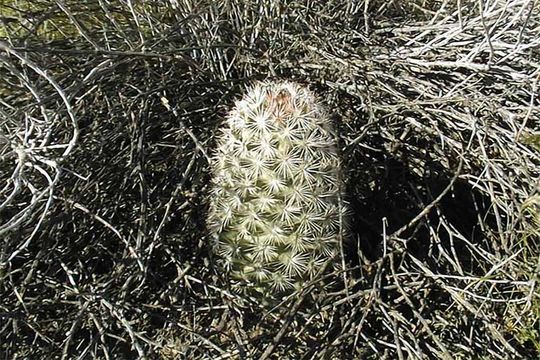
275	213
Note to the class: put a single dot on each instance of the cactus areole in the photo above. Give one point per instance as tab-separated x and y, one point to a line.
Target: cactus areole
275	215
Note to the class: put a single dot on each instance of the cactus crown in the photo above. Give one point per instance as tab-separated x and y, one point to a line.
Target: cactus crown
275	215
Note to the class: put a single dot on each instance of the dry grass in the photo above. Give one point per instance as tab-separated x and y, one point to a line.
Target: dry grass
108	111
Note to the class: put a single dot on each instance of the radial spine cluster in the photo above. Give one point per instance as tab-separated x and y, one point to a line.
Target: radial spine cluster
276	214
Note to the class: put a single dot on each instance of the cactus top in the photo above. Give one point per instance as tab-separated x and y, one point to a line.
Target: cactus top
275	205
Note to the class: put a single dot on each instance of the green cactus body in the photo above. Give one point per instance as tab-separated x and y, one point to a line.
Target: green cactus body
275	212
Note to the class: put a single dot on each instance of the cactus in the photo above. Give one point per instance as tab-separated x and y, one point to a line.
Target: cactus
276	214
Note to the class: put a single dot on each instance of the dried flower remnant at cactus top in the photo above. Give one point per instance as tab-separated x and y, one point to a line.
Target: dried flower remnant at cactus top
275	212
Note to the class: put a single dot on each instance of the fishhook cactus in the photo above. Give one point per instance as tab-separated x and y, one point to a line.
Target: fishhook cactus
276	214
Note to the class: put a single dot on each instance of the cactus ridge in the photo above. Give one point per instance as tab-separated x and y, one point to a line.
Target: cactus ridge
275	205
